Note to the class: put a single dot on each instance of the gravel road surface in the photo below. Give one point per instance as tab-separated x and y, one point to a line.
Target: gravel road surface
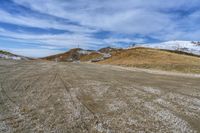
50	97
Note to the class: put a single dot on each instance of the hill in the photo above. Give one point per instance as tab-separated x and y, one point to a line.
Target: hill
8	55
78	54
183	46
141	57
155	59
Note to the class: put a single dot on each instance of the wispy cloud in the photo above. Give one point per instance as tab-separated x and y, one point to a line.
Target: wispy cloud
130	21
57	40
25	20
131	16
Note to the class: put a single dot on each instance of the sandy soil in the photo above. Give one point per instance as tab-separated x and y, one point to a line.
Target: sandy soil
49	97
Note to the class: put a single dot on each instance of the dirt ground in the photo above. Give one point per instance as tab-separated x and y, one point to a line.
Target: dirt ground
38	96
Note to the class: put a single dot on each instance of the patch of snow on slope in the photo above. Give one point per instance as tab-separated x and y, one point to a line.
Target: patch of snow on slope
105	56
10	57
84	52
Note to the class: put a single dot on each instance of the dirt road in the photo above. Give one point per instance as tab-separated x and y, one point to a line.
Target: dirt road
70	97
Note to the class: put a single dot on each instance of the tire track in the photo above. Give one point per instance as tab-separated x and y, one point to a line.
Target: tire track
75	98
67	87
20	116
12	105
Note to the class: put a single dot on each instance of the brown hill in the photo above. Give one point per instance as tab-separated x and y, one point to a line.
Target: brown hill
76	54
136	57
155	59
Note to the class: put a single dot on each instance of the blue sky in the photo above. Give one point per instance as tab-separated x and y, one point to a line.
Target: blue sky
39	28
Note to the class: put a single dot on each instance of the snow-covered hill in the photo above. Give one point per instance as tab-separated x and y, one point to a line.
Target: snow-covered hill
185	46
7	55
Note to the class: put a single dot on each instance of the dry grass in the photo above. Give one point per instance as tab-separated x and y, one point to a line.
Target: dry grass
91	56
74	55
155	59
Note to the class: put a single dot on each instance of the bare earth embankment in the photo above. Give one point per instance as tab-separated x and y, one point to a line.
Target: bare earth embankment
38	96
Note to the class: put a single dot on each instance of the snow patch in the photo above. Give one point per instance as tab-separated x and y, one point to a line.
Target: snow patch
10	57
84	52
105	56
185	46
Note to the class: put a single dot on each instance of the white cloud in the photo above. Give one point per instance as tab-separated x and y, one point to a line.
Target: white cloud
148	18
53	41
130	16
56	40
124	40
31	21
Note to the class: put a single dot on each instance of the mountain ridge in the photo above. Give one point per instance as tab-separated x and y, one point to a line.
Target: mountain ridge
192	47
189	48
